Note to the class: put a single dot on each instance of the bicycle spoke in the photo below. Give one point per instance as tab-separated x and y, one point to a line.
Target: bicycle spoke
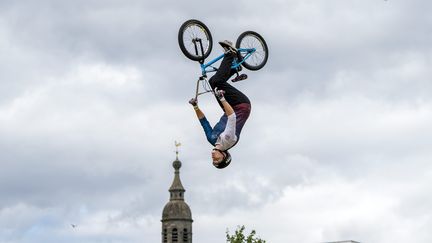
256	57
192	33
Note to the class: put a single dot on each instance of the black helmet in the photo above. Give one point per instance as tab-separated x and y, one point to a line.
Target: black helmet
225	161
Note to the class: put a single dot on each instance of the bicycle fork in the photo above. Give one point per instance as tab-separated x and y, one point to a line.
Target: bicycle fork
205	85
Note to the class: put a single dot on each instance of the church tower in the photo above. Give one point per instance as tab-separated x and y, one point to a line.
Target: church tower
176	215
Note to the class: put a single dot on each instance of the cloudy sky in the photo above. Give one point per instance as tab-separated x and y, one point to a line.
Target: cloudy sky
93	95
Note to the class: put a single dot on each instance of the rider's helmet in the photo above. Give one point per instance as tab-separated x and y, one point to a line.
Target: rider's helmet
225	161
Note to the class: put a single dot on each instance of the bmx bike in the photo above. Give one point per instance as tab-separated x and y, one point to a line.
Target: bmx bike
196	43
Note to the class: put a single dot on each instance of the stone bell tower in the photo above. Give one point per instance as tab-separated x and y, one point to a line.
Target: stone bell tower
176	215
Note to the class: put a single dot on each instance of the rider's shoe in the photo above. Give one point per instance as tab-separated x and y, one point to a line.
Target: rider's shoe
228	46
239	78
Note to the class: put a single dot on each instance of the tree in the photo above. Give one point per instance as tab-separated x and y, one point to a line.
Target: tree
240	237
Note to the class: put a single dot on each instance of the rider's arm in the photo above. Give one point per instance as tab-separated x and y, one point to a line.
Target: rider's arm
208	130
198	112
227	107
228	137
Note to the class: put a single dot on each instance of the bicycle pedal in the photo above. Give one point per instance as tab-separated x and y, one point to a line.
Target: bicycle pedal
240	78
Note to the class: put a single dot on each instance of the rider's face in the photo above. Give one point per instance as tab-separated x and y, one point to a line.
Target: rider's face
217	157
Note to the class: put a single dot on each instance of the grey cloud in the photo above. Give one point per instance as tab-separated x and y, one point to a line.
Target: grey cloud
93	95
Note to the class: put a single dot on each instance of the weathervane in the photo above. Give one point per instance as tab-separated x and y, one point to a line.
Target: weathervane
177	144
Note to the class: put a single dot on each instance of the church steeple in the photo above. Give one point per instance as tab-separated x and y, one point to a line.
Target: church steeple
176	215
176	190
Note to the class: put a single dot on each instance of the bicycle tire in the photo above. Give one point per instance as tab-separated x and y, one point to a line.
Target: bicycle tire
192	30
251	39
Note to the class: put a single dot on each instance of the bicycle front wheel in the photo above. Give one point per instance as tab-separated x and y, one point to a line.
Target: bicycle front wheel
252	40
195	40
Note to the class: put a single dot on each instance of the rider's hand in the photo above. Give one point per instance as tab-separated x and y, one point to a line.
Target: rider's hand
219	93
194	102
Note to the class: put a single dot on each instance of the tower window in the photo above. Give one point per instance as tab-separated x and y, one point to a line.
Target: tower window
174	235
185	235
165	236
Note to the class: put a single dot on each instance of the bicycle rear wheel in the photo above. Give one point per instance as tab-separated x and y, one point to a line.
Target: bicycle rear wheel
249	40
195	40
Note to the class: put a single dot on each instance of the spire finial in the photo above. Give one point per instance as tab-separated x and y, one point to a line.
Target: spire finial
177	144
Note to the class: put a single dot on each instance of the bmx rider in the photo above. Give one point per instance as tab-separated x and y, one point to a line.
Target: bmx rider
236	106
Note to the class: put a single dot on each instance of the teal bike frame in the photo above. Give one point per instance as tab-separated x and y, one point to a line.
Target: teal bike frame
207	68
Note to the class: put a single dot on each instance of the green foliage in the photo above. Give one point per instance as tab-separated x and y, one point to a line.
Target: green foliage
240	237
